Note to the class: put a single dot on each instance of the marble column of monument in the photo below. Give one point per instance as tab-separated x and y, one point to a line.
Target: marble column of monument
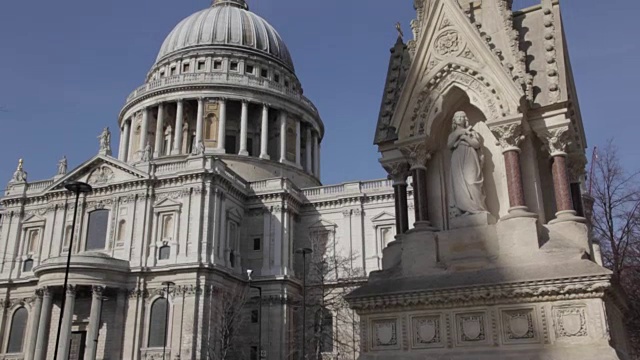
244	124
418	155
199	121
67	322
94	323
144	130
222	126
509	137
35	320
157	149
42	336
398	173
124	141
177	142
283	136
264	133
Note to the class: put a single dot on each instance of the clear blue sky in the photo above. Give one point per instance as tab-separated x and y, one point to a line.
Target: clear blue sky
68	65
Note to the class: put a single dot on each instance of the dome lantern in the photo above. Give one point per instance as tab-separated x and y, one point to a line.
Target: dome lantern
238	3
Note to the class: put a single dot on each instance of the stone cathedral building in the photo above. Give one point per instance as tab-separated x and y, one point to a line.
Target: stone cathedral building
218	172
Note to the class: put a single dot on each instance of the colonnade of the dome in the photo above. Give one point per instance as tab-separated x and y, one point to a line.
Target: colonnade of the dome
220	126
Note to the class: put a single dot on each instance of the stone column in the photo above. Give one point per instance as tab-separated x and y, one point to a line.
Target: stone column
316	155
123	154
94	323
157	149
222	126
398	173
509	138
130	154
244	119
42	337
418	155
283	136
144	129
556	142
35	320
307	150
177	143
199	121
264	133
298	142
67	321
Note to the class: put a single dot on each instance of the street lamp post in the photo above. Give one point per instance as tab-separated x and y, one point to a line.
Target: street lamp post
78	188
304	252
168	285
249	272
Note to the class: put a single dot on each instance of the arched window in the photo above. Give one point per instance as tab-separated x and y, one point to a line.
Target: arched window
97	230
211	127
122	230
158	323
16	333
164	252
32	241
167	227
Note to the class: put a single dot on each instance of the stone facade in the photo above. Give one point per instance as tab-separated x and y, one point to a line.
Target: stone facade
499	265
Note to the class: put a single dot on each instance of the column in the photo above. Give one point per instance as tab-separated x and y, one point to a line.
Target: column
35	319
510	137
298	142
244	119
398	173
557	142
199	121
307	150
67	321
131	156
316	155
43	325
177	143
157	149
124	141
94	323
418	155
264	133
222	127
144	129
283	136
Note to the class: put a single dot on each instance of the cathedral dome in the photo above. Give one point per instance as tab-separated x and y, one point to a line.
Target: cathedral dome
227	24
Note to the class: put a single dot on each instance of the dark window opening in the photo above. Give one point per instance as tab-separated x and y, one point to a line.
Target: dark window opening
249	69
254	353
18	327
217	64
186	68
254	316
164	252
264	73
27	265
201	65
250	146
276	78
157	323
230	145
257	244
97	230
233	66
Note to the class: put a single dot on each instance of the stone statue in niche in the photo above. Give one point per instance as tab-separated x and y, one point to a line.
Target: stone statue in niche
147	153
105	142
467	194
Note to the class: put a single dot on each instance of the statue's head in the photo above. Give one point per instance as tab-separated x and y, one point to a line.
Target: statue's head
460	120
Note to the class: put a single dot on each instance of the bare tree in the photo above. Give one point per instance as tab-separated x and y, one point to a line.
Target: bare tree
616	227
227	318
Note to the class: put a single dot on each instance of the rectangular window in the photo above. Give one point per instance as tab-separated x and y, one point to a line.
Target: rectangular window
286	83
254	316
161	74
201	64
257	244
173	70
264	73
249	69
254	353
97	230
230	144
217	64
233	66
186	67
276	78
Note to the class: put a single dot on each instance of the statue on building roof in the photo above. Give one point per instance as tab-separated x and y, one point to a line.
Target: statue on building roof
19	176
62	166
467	194
105	142
399	29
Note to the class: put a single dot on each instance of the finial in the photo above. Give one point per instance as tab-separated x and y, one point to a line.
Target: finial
19	176
399	28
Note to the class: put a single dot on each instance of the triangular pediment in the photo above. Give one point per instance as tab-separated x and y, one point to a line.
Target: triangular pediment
451	52
323	224
101	171
165	203
383	216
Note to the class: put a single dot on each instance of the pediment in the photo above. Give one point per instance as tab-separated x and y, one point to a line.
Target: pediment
323	224
32	220
451	52
166	203
101	171
235	214
383	216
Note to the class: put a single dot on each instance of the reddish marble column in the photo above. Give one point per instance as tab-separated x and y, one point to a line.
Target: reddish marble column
561	183
514	178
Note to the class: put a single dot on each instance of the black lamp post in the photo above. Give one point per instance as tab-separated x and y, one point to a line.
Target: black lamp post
77	188
249	272
168	284
304	252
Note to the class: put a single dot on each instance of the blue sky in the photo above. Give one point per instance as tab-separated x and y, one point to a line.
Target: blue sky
67	67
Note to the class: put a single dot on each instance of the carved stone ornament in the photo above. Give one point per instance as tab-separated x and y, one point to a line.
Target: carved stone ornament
101	175
417	154
556	141
426	331
19	176
570	322
576	166
471	328
449	43
398	171
385	333
509	137
62	166
105	142
518	325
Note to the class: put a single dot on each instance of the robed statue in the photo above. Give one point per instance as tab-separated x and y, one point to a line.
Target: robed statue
467	195
19	175
62	166
105	142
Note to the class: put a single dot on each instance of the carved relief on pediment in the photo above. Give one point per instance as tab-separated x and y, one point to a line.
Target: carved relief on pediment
101	175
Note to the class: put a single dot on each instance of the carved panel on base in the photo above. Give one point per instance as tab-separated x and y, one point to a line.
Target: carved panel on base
384	334
471	329
519	326
570	321
426	332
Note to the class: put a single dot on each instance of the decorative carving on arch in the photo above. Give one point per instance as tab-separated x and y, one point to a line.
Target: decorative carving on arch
482	94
